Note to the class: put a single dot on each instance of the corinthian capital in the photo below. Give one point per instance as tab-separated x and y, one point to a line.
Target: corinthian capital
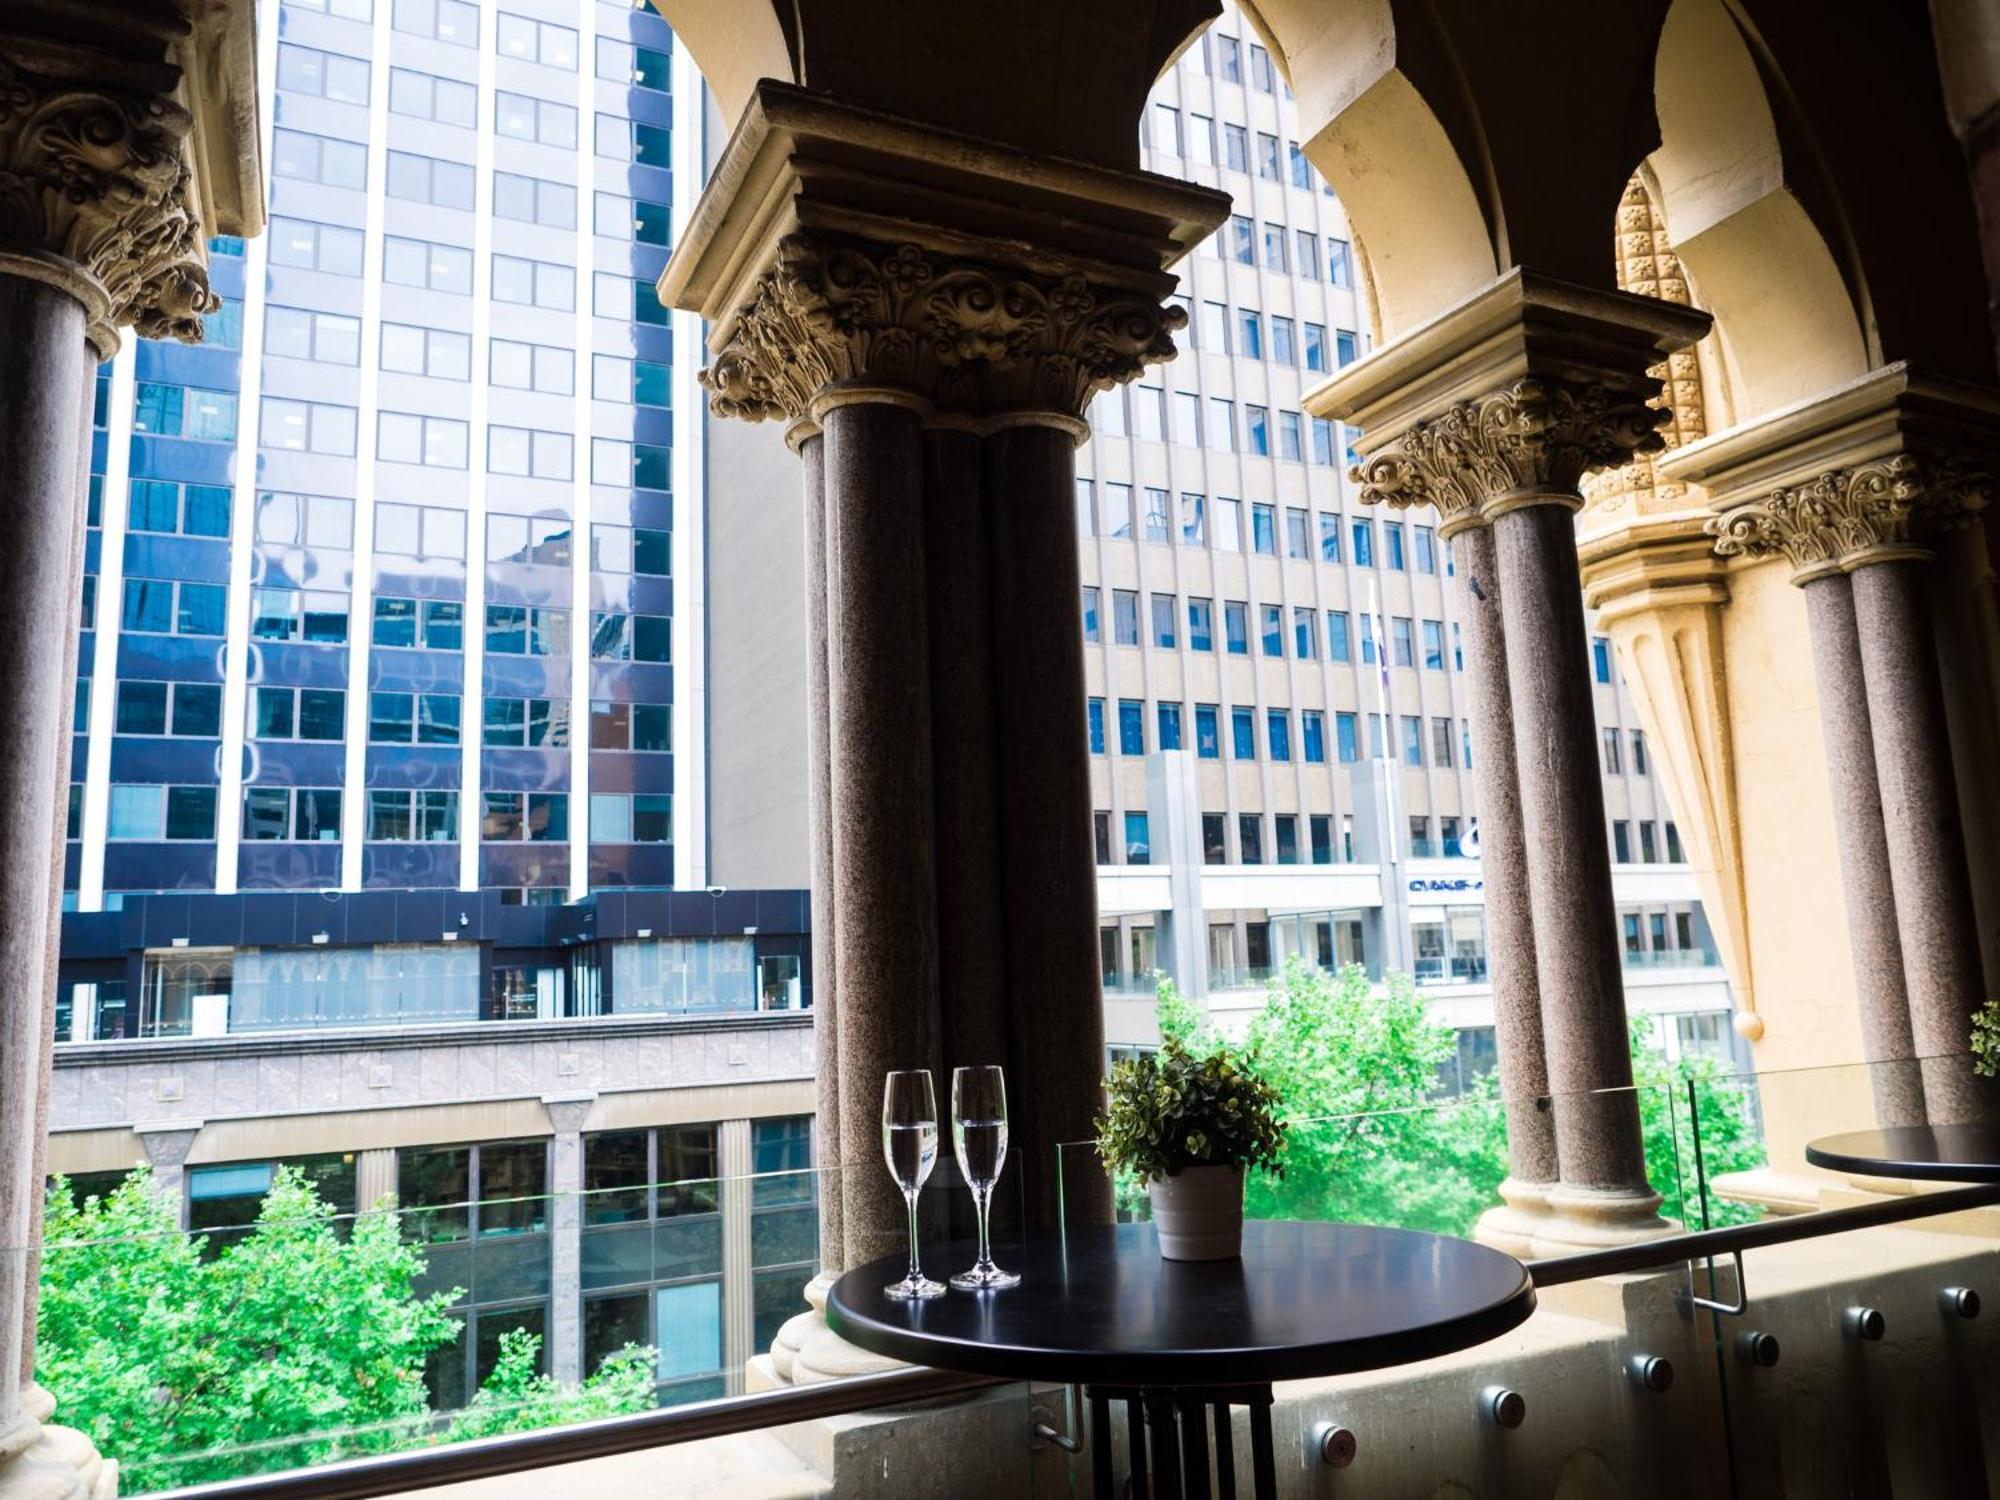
97	192
1533	438
1845	518
966	335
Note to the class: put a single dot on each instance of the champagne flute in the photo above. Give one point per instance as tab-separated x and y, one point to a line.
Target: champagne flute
979	1136
909	1145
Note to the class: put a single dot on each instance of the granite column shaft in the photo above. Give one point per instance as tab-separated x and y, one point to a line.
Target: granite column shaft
1510	922
1926	842
1049	892
1577	961
41	467
1864	853
881	811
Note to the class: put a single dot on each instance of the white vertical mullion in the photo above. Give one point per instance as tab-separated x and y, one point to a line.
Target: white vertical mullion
243	503
114	509
581	465
472	714
361	612
690	509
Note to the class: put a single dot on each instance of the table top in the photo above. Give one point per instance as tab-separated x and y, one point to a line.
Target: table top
1101	1305
1938	1153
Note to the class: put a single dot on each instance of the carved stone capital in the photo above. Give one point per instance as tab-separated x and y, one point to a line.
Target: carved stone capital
1529	440
1846	518
97	192
964	335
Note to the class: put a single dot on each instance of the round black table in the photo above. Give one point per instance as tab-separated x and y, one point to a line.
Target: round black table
1177	1340
1933	1153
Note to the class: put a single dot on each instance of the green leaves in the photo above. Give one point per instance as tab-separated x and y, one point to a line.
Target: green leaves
1986	1039
303	1342
1175	1109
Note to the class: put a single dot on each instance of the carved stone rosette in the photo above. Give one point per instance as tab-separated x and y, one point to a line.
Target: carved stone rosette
1846	518
97	195
965	335
1534	438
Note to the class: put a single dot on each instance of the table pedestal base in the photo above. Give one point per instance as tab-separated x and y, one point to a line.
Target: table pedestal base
1169	1430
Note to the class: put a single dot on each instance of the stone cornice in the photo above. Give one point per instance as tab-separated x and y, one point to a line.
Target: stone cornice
964	335
1651	562
1509	397
97	187
1844	519
1871	471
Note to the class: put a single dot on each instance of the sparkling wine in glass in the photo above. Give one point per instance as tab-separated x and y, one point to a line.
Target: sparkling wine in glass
909	1145
979	1136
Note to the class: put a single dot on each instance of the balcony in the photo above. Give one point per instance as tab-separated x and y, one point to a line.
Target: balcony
1668	1368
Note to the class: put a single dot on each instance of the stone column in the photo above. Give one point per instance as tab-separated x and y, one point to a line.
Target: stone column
1050	899
940	313
1864	852
103	226
1510	924
1569	865
1926	843
1493	414
167	1145
739	1282
1858	520
882	813
566	1116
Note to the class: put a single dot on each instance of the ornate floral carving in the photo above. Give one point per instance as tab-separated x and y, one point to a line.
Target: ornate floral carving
1648	267
1536	435
968	336
95	175
1847	517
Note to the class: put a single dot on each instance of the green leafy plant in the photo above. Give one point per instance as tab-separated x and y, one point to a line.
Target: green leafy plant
1174	1109
1986	1039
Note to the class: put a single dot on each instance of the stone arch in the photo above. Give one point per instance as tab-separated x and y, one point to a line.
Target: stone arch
1786	325
1374	135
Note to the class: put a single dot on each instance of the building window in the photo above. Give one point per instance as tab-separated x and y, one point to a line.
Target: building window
1600	658
1243	732
1285	831
536	41
1201	624
191	710
1094	716
1337	647
1273	622
154	813
534	722
1194	520
1640	765
1364	543
444	100
159	606
1250	838
427	179
1264	530
1125	617
1441	744
332	248
1339	262
1392	540
1131	727
1322	431
642	67
1169	721
1434	645
1413	741
452	21
1116	520
299	814
1675	856
1312	736
187	510
1304	645
318	158
1236	627
419	263
184	411
523	630
1214	839
1614	762
283	713
1207	733
1092	634
1278	733
323	75
326	338
1621	842
534	283
317	617
1138	842
1401	638
308	427
1425	538
1100	827
1163	621
1346	738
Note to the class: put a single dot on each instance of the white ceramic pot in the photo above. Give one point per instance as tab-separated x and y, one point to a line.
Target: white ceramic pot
1198	1213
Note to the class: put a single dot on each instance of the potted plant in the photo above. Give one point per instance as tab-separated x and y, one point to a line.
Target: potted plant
1188	1127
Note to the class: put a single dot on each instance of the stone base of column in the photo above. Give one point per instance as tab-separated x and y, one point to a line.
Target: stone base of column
806	1351
42	1462
1581	1219
1523	1213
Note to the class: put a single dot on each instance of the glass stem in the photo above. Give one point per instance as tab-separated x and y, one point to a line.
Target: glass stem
916	1272
982	1201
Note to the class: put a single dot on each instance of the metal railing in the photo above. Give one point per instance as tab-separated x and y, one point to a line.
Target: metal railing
486	1458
